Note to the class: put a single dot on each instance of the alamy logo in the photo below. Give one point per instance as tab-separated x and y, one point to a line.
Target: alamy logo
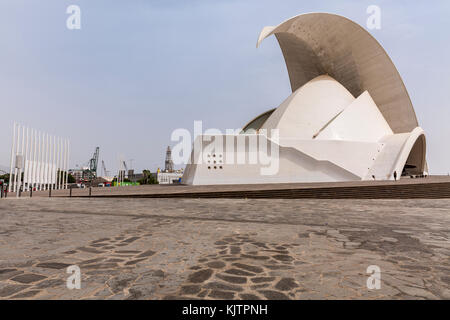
259	147
73	22
74	280
374	281
374	20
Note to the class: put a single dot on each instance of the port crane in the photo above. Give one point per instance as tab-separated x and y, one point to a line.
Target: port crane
90	172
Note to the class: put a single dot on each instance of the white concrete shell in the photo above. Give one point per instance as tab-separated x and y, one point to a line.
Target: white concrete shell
349	116
314	44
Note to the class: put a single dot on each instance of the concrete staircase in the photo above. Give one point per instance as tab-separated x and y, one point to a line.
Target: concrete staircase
437	190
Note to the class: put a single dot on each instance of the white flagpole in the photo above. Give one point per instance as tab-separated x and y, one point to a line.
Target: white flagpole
62	164
33	175
58	164
68	150
44	146
36	174
61	172
12	157
22	152
25	163
43	162
45	180
65	165
30	161
17	151
48	161
40	160
54	164
38	154
19	181
63	155
17	172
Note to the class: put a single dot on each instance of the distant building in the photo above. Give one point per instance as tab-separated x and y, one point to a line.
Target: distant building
77	174
169	177
168	167
130	174
135	177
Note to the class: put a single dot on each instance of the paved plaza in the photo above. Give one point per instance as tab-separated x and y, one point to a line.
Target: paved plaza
224	248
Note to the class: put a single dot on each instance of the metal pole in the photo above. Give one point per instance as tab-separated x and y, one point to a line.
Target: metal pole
47	163
43	162
54	164
15	155
60	163
25	163
42	165
52	160
66	164
57	164
12	157
33	173
30	162
19	181
38	165
38	153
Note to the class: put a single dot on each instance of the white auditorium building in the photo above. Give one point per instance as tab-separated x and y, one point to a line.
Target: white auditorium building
349	117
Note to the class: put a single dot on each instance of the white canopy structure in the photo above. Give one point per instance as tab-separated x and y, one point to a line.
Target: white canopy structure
349	116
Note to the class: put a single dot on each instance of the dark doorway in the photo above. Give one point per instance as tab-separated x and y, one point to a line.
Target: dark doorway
415	164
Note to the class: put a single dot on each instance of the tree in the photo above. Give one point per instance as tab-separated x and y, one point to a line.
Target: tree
70	178
5	177
148	178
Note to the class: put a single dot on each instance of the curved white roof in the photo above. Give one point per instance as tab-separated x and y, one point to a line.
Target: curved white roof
309	108
315	44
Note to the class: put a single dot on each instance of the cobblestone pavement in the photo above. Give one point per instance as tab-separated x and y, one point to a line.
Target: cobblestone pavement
224	249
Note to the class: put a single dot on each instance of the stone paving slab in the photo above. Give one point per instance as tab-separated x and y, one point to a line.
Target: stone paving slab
224	248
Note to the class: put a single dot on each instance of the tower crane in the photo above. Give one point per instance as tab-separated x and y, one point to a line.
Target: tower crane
105	172
90	172
126	169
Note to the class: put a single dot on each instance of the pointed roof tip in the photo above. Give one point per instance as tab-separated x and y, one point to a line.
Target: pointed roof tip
265	32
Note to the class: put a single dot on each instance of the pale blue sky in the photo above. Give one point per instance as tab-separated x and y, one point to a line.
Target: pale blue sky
139	69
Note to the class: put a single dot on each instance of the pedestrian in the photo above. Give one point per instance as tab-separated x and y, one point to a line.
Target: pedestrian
395	175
